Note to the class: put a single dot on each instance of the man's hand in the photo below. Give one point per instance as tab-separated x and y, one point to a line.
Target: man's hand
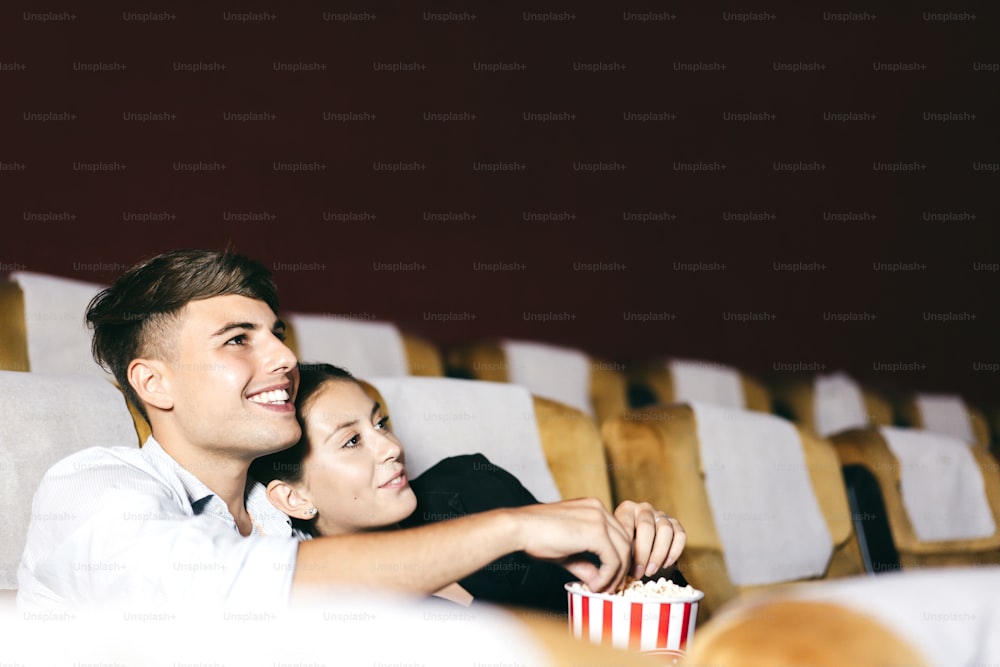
657	539
427	558
564	532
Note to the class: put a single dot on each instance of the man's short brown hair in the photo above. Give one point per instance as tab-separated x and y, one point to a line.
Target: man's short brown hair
130	319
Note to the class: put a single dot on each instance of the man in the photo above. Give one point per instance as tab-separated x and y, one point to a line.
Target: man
193	338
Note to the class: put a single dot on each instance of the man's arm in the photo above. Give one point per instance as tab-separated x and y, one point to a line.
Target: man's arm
425	559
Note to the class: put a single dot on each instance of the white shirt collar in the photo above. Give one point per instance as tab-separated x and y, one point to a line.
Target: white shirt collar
268	520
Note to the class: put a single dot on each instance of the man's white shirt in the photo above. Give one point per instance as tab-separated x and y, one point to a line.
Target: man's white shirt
124	526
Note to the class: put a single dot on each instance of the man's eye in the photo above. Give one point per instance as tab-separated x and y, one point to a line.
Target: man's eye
280	335
237	340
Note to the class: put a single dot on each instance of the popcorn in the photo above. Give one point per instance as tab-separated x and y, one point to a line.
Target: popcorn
655	617
662	590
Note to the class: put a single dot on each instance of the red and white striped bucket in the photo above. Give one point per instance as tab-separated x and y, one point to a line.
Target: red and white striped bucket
643	624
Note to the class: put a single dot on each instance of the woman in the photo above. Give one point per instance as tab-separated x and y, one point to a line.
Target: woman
346	474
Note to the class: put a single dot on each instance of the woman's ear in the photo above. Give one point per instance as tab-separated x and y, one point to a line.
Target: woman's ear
149	380
289	500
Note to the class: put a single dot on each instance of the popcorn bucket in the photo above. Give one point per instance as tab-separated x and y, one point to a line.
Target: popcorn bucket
661	626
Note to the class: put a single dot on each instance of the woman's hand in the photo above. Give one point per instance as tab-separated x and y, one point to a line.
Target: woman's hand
657	539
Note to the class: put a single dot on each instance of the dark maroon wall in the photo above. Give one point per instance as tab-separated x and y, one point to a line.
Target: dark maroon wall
937	220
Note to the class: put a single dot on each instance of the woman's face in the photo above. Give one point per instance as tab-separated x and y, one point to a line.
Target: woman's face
353	473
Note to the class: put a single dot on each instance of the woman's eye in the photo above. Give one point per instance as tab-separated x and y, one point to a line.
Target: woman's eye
383	424
353	442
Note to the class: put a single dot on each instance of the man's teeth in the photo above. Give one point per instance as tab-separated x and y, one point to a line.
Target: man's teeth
273	396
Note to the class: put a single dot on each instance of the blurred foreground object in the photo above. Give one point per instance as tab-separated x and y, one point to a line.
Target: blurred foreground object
944	617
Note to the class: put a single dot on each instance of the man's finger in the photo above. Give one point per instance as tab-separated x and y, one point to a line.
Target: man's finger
583	570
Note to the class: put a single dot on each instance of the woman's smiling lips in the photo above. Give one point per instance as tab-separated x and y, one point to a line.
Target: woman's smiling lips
397	482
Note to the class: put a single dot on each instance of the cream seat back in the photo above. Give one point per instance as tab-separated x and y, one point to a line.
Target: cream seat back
661	382
831	403
948	414
365	348
563	374
44	326
554	450
46	418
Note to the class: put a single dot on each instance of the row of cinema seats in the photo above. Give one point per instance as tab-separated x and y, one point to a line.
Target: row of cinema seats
902	484
600	388
44	331
830	489
494	416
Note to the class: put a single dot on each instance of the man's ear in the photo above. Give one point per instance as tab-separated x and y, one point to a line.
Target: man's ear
290	500
149	379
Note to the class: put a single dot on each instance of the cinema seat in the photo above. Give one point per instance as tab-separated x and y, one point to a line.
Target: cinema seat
423	358
56	415
656	454
927	618
365	348
995	440
14	343
665	381
831	403
944	413
44	325
569	376
554	450
869	449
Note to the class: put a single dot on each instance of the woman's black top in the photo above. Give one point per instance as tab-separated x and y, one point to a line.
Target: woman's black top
468	484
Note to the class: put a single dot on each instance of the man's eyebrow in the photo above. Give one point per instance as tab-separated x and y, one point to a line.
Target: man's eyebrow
229	326
278	325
